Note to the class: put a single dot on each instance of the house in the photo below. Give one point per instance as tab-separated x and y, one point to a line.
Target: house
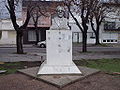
48	8
7	32
109	32
109	29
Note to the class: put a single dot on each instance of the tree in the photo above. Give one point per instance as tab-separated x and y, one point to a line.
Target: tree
96	18
38	12
117	7
11	7
99	12
83	8
35	16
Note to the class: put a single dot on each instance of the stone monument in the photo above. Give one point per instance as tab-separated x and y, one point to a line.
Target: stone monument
59	48
59	22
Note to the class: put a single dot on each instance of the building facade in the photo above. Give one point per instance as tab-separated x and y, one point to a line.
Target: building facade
109	29
7	32
44	11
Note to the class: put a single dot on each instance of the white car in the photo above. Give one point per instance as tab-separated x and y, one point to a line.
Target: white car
42	44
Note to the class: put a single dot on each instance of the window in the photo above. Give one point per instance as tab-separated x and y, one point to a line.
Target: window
109	25
31	36
115	40
92	35
104	40
109	41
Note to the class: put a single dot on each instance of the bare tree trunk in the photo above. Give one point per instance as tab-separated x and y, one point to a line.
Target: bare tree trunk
97	40
96	31
11	7
37	36
97	35
84	42
19	42
84	36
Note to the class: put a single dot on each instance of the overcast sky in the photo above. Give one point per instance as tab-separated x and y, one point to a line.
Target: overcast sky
4	12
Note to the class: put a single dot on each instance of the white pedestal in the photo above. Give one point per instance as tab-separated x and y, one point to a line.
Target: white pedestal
59	53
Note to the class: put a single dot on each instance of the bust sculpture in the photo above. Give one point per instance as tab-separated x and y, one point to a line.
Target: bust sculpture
59	22
59	48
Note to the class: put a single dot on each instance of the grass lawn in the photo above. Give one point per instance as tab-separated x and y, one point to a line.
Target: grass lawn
12	67
107	65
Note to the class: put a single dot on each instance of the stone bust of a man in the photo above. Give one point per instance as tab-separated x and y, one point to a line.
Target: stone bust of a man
59	22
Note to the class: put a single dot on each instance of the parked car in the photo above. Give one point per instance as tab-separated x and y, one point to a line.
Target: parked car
42	44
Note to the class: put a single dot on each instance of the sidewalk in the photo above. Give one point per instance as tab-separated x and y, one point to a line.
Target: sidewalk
42	56
38	54
14	45
23	57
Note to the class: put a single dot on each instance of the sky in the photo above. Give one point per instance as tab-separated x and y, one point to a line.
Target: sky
4	14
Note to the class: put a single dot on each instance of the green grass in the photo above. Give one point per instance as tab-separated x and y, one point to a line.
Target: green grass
107	65
10	67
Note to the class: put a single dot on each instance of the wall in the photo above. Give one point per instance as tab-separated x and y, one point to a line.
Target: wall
77	34
8	37
8	34
110	37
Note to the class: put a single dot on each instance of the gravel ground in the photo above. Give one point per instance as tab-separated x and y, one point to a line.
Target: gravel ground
100	81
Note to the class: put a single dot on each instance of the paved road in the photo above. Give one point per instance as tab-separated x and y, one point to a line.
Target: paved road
43	50
28	50
7	54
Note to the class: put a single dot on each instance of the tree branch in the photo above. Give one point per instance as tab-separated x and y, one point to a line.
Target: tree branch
78	24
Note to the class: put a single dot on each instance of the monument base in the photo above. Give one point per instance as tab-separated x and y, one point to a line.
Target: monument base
59	80
46	69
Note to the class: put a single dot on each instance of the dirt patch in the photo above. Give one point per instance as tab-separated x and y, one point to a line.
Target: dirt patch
100	81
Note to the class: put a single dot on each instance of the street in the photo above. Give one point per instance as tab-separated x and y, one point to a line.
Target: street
33	49
8	54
